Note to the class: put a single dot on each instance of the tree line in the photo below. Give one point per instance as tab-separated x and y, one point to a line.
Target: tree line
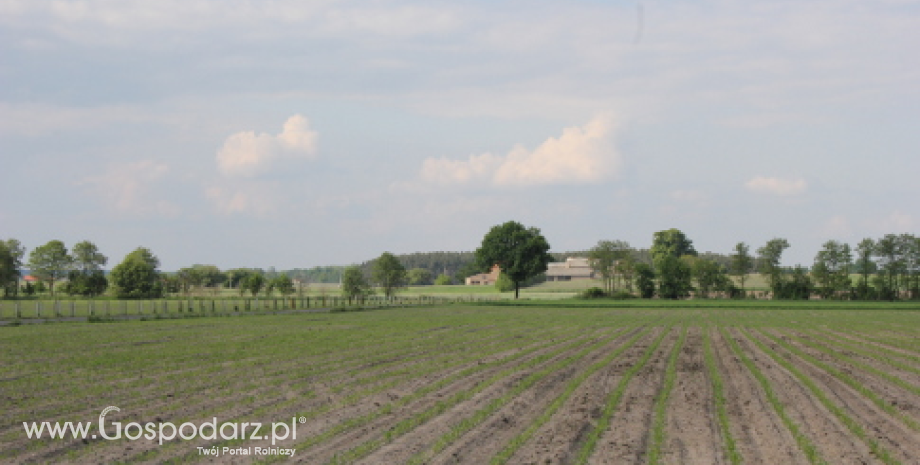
887	268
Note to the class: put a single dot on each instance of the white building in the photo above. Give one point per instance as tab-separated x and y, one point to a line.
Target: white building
571	269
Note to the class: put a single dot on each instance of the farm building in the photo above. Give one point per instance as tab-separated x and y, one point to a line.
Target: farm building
571	269
484	279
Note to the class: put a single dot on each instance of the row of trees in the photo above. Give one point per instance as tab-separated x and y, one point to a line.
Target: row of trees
675	270
887	268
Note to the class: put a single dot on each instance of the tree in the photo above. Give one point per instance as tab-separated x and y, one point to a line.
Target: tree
11	253
9	273
798	287
674	278
710	277
912	264
87	258
283	284
520	252
670	243
604	258
389	274
890	251
50	262
87	277
645	280
864	266
236	277
742	262
770	256
442	280
253	283
626	268
354	284
504	283
831	269
419	276
136	277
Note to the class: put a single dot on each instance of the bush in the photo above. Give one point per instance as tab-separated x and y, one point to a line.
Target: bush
593	293
622	295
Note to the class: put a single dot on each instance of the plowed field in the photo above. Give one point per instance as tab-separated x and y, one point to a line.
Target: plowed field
474	384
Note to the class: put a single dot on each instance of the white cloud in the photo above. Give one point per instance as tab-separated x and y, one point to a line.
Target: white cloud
776	186
580	155
247	199
127	188
247	153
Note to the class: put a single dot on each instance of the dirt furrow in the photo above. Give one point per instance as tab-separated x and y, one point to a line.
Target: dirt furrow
692	435
374	403
379	426
558	441
863	339
891	433
626	440
906	401
761	437
487	439
832	439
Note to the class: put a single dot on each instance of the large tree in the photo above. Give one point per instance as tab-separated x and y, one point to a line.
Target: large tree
770	256
136	277
742	263
670	243
389	274
520	252
50	262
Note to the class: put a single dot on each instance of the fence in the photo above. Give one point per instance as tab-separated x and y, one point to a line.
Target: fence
16	309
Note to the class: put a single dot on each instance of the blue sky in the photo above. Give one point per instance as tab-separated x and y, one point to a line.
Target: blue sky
294	134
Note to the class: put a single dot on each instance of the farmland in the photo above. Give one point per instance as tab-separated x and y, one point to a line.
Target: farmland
531	382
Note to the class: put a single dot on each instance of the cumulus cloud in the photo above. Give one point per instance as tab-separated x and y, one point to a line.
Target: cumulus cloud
580	155
776	186
247	153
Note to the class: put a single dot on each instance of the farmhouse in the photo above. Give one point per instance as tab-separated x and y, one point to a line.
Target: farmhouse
484	279
571	269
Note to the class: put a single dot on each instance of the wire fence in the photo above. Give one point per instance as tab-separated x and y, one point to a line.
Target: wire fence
88	308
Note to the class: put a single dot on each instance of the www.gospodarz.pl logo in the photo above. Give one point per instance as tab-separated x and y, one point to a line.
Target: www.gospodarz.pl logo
167	431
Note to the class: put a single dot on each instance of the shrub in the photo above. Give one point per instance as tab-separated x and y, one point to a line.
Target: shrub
593	293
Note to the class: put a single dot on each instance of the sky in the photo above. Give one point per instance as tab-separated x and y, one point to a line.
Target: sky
296	134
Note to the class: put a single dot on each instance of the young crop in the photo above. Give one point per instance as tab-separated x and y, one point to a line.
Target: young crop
614	400
834	408
661	401
845	377
804	443
505	454
718	390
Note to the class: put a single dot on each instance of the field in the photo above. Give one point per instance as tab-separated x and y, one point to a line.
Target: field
537	382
